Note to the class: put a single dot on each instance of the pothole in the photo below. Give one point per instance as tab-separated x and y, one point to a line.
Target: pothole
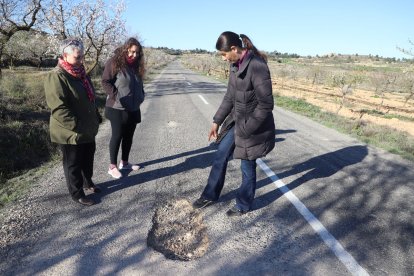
178	231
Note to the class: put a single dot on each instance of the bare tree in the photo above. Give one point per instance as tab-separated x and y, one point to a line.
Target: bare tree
409	52
59	19
408	87
16	15
382	83
98	24
103	30
16	48
345	83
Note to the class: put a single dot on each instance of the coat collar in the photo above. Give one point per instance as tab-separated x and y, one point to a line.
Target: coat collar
243	65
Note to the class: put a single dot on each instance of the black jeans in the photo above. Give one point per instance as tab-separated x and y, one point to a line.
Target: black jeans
123	124
78	167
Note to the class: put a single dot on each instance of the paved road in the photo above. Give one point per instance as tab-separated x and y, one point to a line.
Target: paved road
326	204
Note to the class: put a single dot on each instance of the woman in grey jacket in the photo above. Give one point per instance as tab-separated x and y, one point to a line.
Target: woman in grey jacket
249	95
122	82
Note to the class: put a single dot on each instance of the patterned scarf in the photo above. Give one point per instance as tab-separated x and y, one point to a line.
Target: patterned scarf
80	73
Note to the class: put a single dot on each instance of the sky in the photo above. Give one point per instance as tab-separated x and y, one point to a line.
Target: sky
304	27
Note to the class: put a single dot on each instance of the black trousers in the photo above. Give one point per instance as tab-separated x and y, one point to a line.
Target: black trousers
123	124
78	167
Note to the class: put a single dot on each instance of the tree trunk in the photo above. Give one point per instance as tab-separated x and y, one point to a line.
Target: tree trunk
90	69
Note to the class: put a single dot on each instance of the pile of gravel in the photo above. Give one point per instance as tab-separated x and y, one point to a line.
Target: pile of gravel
178	231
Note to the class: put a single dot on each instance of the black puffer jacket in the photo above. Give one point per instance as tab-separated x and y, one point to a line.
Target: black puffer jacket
249	91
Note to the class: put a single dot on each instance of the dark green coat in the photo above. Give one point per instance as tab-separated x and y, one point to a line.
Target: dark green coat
73	118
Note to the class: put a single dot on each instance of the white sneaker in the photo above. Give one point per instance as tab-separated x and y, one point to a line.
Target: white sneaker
128	166
115	173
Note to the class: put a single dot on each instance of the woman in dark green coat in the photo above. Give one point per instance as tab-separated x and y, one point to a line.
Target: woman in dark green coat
74	120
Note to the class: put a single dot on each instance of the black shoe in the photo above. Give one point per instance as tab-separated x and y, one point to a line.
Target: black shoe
235	212
93	189
86	201
201	203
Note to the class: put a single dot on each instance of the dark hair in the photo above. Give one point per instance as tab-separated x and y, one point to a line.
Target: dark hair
120	57
228	39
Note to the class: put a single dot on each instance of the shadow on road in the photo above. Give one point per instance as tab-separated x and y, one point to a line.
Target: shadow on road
202	158
321	166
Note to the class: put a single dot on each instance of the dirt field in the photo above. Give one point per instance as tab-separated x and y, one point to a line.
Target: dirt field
294	78
329	99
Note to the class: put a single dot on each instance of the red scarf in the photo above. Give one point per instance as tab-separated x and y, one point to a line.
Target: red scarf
80	73
130	61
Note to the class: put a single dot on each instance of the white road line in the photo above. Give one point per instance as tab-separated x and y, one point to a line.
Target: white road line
329	240
202	98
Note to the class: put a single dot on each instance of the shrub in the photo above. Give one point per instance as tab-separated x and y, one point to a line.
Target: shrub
13	86
24	145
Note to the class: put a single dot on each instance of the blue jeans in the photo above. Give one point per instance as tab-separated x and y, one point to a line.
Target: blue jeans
217	175
245	194
215	183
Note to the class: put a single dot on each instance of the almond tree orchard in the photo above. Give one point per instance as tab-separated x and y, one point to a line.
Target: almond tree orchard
408	78
30	32
33	46
15	16
98	24
409	52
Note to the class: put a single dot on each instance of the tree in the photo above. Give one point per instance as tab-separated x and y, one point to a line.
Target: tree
408	87
409	52
346	83
99	25
31	46
383	82
16	15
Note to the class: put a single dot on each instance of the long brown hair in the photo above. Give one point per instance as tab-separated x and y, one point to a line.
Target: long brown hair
121	53
228	39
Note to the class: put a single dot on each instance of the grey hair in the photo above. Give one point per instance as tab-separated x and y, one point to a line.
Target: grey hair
69	45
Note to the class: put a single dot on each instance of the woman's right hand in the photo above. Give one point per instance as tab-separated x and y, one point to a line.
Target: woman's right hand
213	132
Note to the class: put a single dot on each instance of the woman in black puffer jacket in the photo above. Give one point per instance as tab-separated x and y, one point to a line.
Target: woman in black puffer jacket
249	93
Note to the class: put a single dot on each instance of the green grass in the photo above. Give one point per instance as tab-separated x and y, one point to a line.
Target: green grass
14	188
384	115
394	141
399	117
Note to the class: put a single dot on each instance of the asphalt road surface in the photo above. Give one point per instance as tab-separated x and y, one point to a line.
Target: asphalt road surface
326	204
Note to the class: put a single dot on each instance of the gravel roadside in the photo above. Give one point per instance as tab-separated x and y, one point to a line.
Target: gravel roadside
24	221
